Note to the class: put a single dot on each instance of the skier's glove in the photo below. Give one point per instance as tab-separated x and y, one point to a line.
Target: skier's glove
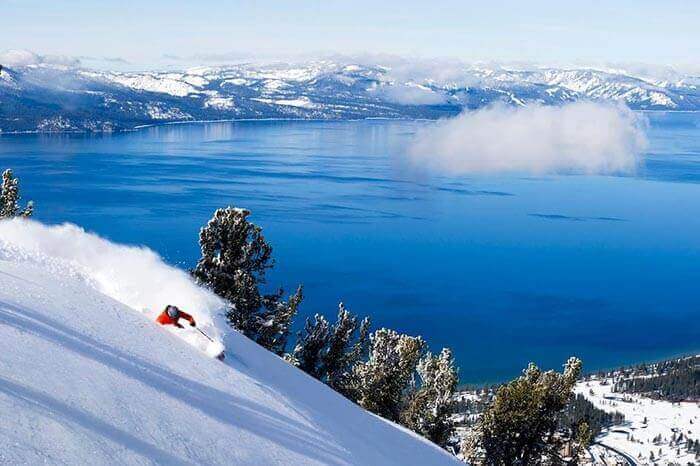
192	324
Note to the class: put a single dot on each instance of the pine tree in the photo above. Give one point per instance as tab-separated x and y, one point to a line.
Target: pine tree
234	259
581	440
428	409
329	352
342	354
360	348
10	197
276	320
519	426
308	351
347	383
380	382
674	380
338	345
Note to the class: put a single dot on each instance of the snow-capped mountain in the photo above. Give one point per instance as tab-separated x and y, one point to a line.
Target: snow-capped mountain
43	97
87	376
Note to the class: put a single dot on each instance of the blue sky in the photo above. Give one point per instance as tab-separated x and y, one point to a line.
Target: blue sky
547	32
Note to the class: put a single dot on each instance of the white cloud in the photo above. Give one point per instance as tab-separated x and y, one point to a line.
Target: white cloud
410	94
437	71
581	137
26	57
18	58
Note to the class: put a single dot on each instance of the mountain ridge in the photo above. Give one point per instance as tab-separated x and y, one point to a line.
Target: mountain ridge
60	98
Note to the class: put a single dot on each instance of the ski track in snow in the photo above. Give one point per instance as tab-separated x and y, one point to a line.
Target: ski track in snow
86	378
134	276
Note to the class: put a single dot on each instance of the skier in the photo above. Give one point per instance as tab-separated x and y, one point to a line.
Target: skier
171	314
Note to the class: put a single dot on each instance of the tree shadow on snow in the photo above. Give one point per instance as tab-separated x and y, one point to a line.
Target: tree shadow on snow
87	421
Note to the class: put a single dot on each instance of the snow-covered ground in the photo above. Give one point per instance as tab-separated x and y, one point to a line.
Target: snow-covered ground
86	377
636	437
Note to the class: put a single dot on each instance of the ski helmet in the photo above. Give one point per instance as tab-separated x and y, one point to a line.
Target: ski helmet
172	311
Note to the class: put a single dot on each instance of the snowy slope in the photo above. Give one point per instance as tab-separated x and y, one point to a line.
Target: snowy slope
86	377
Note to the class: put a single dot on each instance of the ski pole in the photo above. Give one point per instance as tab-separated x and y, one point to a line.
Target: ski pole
208	337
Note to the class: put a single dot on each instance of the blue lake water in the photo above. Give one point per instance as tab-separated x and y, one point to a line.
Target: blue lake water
503	269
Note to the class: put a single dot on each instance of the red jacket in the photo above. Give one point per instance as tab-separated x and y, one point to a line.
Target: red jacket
165	319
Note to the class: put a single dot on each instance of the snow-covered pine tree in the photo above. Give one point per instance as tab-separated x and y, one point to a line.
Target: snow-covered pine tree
519	426
10	197
341	353
360	349
310	344
347	382
330	352
234	259
580	441
275	323
427	410
380	382
338	344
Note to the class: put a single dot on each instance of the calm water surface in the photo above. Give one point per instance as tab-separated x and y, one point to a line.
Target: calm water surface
504	270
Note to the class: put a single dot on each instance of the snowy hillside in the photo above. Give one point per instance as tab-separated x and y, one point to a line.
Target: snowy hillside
87	377
45	97
654	431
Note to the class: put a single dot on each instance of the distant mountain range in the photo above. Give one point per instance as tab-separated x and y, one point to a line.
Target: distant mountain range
49	98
